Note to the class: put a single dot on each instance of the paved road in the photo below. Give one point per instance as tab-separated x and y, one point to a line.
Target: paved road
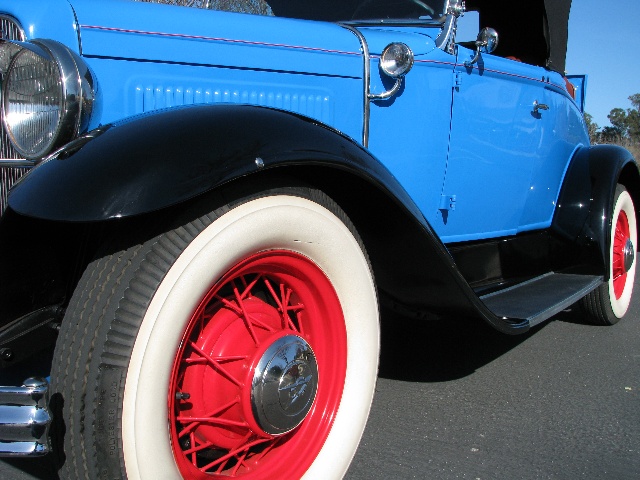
561	403
462	402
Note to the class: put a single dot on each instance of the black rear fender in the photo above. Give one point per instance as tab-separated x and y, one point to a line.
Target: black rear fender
583	215
610	165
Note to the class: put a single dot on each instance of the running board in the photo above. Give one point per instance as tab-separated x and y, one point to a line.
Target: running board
540	298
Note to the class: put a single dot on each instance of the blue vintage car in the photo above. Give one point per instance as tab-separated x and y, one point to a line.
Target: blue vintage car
203	209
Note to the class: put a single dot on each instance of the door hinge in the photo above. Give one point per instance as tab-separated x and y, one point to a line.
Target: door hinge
448	202
457	80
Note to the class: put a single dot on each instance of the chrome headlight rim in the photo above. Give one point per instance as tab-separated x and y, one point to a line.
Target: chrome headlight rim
396	60
77	93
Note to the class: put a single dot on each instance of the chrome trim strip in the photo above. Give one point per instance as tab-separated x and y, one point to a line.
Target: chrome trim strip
366	80
25	419
215	39
16	163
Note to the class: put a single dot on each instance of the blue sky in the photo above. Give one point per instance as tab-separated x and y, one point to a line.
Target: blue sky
604	43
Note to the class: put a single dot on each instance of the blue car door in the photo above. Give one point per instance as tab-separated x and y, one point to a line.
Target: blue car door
496	134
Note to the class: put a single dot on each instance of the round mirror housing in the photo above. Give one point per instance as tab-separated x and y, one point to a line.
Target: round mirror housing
396	60
487	40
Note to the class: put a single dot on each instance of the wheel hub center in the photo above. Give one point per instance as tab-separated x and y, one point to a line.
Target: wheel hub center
629	253
284	385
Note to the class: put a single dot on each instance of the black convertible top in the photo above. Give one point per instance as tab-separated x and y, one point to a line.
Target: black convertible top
558	19
534	31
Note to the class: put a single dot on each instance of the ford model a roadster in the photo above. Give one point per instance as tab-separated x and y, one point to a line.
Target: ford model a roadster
203	209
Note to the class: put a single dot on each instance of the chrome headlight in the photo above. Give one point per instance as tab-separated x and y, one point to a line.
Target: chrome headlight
47	96
396	60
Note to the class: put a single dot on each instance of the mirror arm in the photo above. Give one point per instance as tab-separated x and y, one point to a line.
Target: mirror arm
388	94
474	60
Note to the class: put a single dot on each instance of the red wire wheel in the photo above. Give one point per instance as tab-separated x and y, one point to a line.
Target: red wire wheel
610	301
258	377
621	242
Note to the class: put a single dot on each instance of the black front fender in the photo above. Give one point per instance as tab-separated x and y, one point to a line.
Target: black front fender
140	167
153	161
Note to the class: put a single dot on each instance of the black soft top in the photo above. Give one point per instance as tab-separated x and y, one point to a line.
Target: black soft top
534	31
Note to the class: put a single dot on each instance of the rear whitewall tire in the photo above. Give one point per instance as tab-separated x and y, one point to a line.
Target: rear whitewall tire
624	203
609	303
283	222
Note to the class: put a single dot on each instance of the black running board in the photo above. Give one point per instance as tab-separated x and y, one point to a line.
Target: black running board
540	298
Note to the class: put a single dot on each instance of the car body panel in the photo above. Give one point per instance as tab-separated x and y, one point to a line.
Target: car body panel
46	19
460	178
185	56
460	150
519	154
416	152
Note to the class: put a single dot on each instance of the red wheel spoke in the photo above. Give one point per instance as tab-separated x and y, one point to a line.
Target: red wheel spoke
235	453
199	448
245	316
283	303
194	457
621	237
216	365
211	420
241	313
240	463
243	441
229	304
265	451
193	424
263	300
216	359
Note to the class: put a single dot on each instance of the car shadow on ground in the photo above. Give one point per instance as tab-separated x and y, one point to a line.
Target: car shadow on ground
444	349
412	350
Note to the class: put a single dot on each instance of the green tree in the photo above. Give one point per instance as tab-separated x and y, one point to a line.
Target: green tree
592	127
618	118
633	118
625	124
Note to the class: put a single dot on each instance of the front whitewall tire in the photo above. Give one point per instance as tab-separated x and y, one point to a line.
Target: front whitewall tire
282	222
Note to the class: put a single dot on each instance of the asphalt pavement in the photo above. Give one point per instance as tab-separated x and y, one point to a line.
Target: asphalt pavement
456	400
459	401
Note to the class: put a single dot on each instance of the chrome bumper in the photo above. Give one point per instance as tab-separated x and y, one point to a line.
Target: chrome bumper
25	419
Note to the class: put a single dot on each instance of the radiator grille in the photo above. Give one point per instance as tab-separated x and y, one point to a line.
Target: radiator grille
11	30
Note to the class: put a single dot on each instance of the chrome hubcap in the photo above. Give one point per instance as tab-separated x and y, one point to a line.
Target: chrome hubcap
284	385
629	254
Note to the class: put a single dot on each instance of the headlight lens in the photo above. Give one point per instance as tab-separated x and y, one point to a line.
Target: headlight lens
396	60
48	95
33	103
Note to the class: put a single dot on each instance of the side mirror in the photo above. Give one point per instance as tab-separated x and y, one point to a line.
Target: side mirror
487	42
